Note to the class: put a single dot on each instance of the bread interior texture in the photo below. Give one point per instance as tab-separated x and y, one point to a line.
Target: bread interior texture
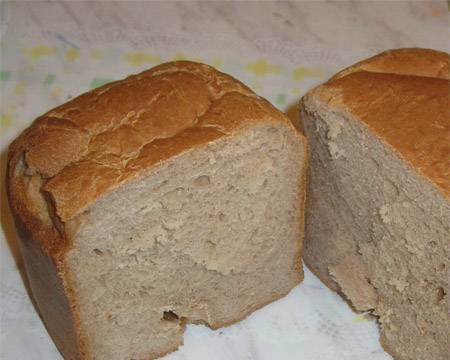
381	231
205	237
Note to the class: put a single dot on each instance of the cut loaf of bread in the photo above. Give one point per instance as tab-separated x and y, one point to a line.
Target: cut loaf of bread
174	196
378	210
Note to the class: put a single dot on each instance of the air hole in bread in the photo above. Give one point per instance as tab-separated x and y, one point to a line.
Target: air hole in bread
440	294
170	316
203	180
98	251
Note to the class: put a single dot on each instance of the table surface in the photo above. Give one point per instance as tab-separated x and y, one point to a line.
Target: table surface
51	52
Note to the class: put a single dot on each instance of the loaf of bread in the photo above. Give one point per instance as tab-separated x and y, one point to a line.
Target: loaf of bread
378	210
174	196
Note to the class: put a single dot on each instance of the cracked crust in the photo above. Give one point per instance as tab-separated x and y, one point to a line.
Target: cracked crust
74	154
385	95
407	61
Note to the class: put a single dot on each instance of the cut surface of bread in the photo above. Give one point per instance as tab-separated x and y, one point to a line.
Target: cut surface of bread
378	211
209	237
174	196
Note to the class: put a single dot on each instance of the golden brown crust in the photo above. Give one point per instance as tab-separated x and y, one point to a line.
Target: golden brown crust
407	61
409	113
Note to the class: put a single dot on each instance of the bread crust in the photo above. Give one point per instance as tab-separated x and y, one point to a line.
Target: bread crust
406	61
74	154
408	111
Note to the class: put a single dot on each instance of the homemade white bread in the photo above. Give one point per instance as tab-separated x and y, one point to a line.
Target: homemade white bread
174	196
378	210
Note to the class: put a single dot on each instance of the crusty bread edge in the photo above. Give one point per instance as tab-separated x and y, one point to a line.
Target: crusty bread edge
25	225
398	57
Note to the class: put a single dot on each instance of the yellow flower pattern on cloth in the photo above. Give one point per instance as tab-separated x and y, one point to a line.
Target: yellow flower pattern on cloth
302	72
262	68
72	54
19	89
141	58
40	51
5	122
